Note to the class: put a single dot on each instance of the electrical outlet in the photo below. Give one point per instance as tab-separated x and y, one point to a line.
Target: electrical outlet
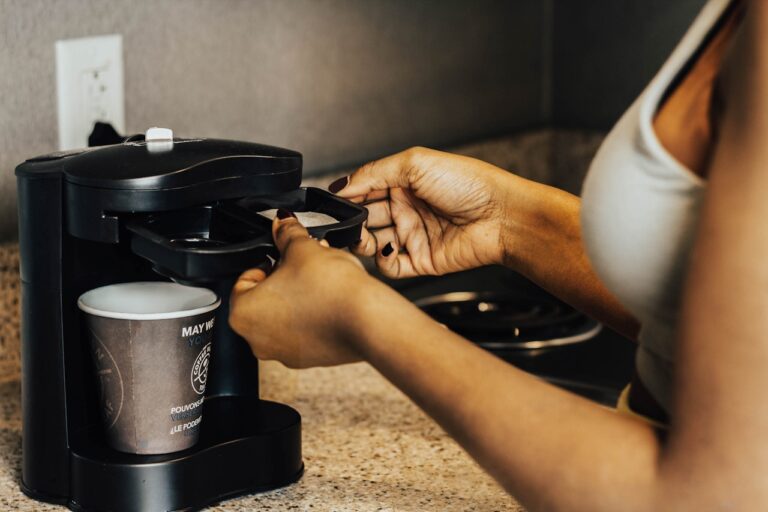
89	85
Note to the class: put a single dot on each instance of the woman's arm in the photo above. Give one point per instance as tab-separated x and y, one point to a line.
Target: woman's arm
550	449
543	242
553	450
719	437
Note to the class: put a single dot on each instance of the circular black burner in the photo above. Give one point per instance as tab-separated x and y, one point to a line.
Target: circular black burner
509	321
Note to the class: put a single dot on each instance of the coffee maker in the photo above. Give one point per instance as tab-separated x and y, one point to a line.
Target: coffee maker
153	208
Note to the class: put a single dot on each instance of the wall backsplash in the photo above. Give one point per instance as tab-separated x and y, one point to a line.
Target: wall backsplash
605	51
342	81
345	81
558	157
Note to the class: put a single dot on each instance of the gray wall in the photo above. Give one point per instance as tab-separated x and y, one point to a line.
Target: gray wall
605	51
340	80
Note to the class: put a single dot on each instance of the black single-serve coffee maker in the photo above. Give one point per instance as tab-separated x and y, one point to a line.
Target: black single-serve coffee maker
153	208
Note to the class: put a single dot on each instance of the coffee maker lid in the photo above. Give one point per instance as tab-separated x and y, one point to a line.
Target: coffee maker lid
159	161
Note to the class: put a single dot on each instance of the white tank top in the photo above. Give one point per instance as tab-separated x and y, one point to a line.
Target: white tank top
640	207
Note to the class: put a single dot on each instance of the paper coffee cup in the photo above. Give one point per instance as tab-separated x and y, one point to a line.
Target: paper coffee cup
151	344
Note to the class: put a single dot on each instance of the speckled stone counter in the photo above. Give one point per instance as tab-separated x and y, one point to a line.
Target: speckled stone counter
366	448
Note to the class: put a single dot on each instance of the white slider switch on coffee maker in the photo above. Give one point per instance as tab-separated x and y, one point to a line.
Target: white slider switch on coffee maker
159	139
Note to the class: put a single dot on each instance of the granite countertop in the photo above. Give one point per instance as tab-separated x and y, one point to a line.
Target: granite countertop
366	448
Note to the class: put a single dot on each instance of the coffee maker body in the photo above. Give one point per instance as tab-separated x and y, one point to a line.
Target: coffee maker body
145	210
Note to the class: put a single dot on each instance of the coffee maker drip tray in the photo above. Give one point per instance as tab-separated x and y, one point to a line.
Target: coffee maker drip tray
209	242
246	445
510	321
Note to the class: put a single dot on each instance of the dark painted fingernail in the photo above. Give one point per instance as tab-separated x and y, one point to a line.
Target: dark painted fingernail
388	249
339	184
284	214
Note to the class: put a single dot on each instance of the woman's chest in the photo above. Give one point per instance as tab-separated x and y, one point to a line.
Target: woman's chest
639	219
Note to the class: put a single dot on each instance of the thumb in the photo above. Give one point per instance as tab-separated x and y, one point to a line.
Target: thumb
396	171
287	231
248	280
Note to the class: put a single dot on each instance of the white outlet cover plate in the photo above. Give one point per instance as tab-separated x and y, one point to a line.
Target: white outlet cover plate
89	86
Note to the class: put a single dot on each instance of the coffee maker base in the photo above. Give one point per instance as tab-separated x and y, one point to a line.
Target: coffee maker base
246	445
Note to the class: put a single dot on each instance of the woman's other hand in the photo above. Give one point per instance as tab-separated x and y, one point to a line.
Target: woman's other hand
300	314
430	212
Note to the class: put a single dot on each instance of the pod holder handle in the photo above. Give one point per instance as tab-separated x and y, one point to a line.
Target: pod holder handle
220	240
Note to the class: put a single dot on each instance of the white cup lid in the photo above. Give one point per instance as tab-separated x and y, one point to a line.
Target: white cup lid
148	300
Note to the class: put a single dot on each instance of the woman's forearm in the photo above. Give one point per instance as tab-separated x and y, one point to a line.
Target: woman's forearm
552	450
541	236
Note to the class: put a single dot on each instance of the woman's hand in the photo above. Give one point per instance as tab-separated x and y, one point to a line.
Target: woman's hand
301	315
430	212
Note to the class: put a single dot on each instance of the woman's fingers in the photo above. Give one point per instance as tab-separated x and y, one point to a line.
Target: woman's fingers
248	280
372	241
393	264
379	215
391	172
254	276
385	246
376	195
288	233
366	246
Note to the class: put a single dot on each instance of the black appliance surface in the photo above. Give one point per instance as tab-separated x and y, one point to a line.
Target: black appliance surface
247	445
142	176
519	322
148	210
135	165
205	243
